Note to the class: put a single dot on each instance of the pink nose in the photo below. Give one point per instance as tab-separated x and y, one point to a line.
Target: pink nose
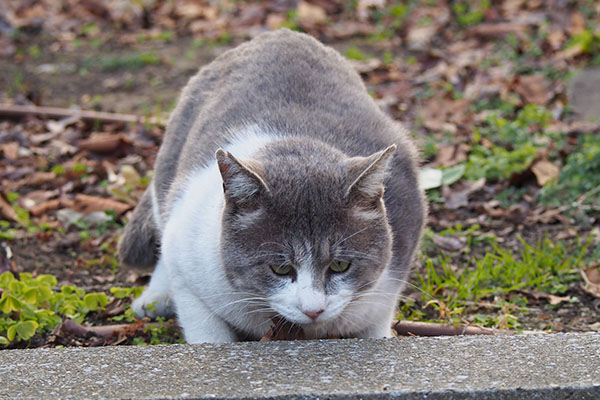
313	314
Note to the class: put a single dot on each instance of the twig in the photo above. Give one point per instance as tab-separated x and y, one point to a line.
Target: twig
71	327
413	328
16	111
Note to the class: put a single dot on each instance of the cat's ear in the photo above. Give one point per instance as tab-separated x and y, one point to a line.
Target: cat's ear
367	176
241	179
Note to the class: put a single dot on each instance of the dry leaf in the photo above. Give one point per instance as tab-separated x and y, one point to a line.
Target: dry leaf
591	278
533	88
6	210
449	243
100	142
458	195
10	150
544	171
311	14
86	204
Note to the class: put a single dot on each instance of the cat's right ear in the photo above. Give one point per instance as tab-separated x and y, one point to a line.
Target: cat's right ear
241	179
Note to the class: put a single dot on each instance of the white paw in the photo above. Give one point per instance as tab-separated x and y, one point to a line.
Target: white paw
152	304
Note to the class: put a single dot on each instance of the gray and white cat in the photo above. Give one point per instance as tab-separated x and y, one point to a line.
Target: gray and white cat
280	190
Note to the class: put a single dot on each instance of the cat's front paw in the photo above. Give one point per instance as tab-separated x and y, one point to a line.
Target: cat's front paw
152	304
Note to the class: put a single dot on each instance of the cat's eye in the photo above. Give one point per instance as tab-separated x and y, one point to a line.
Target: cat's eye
285	269
339	266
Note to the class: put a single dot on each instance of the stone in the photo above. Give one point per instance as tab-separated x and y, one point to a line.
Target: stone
584	93
541	366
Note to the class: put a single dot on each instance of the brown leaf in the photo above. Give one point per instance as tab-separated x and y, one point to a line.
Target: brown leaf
544	171
533	88
458	195
311	14
86	204
578	24
591	278
498	30
100	142
44	207
6	209
449	243
450	155
10	150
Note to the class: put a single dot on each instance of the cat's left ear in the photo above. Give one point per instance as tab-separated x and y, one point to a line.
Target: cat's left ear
367	175
241	179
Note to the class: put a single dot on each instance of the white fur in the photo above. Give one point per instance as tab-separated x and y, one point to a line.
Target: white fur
190	263
190	275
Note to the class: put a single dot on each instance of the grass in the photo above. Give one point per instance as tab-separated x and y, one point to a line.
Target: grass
130	61
493	280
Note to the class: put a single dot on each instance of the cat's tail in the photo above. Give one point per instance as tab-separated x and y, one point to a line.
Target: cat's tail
138	247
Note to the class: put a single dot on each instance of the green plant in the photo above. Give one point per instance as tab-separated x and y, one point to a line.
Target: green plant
578	184
548	267
30	305
470	12
515	145
130	61
354	53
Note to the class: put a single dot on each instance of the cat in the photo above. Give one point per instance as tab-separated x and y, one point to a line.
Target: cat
280	190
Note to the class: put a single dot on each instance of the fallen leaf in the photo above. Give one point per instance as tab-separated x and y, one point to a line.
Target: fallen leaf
533	88
100	142
10	150
449	243
86	204
544	171
452	154
430	178
310	14
6	209
458	196
591	278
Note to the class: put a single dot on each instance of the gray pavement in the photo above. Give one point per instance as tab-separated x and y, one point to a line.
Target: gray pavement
557	366
584	93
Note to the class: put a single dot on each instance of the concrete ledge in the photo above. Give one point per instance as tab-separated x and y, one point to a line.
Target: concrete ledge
493	367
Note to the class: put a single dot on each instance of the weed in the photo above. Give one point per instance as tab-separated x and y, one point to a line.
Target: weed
354	53
578	184
547	267
30	305
470	12
131	61
517	143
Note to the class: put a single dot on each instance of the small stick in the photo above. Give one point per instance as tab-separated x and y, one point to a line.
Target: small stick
413	328
17	111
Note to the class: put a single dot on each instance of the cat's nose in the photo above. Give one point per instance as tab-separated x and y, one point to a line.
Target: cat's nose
313	314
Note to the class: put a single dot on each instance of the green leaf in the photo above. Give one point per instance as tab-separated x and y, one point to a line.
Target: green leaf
26	329
47	280
11	332
30	296
4	340
9	303
94	301
5	279
453	174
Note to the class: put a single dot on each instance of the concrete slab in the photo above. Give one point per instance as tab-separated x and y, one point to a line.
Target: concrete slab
584	93
493	367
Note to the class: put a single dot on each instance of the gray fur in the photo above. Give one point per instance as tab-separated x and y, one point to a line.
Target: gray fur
309	96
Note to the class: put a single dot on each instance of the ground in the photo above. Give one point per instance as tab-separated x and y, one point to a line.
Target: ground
491	92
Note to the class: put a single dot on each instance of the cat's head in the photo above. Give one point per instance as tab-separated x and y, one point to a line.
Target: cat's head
304	227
